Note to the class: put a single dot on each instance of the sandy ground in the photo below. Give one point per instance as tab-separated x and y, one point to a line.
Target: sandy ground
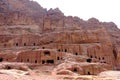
38	75
49	77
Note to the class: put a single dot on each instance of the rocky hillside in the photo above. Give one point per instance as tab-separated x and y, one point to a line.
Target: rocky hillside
24	12
68	45
26	17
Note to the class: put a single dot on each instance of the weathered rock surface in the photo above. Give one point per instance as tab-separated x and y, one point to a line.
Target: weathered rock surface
70	45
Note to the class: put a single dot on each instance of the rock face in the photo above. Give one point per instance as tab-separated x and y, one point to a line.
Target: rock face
73	46
43	56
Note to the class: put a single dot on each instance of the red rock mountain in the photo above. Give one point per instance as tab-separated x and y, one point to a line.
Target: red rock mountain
29	32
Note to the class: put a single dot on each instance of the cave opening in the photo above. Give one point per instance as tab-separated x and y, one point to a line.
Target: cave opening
1	59
35	61
50	61
88	73
76	53
16	44
43	61
115	54
27	60
24	44
58	58
89	60
47	53
75	70
8	67
65	50
34	44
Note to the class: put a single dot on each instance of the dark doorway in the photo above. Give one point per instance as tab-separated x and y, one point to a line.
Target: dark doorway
75	70
91	56
50	61
47	53
88	73
8	67
5	45
103	58
43	47
76	53
96	57
99	58
43	62
16	44
89	60
35	61
1	59
58	50
27	60
34	44
24	44
115	54
58	58
104	62
65	50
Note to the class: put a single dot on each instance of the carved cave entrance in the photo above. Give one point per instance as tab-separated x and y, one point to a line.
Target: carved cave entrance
16	44
76	53
75	70
47	53
24	44
8	67
50	61
58	58
34	44
89	60
43	62
115	54
65	50
88	73
1	59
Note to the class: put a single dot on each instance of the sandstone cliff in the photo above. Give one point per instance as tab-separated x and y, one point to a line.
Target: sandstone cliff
89	47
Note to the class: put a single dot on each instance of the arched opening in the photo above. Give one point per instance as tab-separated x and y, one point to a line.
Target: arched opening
58	58
88	73
35	61
50	61
75	70
24	44
16	44
1	59
65	50
115	54
47	53
89	60
43	61
76	53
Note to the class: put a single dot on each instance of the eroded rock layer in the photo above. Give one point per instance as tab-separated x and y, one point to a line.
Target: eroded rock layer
32	34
